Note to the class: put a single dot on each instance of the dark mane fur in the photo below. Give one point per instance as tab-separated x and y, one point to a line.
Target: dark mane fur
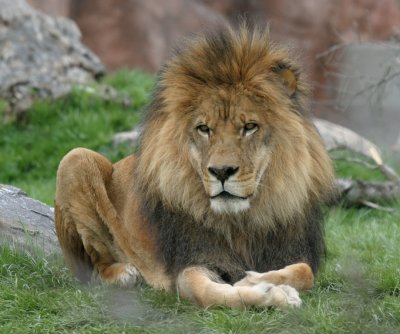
183	242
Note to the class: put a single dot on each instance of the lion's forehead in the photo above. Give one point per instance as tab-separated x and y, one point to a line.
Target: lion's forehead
237	108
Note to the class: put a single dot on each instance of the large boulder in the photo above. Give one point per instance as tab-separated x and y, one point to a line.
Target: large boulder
137	33
26	222
40	56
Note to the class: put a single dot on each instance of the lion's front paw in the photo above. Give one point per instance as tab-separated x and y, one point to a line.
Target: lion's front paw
122	274
129	277
279	295
293	298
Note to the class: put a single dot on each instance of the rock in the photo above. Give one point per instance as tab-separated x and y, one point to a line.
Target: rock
127	137
53	7
26	222
137	33
140	33
396	145
368	90
40	56
313	27
233	9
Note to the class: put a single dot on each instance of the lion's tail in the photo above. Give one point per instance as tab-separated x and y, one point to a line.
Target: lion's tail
71	244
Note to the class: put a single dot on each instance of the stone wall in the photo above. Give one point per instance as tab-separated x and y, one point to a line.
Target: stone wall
141	33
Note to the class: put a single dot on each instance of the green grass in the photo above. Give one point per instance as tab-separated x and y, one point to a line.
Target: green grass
357	291
30	152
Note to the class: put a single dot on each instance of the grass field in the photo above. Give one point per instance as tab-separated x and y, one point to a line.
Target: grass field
357	290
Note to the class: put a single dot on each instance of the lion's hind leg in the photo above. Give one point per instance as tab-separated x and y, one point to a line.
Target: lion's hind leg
203	287
84	217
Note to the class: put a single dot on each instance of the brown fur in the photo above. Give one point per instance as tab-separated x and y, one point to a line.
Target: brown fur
232	102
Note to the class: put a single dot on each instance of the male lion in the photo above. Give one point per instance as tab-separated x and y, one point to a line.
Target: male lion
222	200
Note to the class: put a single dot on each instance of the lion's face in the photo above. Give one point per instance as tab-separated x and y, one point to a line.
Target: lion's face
230	149
227	133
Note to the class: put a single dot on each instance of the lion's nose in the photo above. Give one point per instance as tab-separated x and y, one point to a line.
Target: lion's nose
224	172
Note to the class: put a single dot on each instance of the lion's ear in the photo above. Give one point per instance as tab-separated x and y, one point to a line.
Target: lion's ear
288	75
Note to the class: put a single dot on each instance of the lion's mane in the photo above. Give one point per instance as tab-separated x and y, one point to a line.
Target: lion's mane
283	224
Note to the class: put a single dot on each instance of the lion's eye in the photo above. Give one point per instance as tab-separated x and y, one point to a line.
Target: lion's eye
203	129
249	128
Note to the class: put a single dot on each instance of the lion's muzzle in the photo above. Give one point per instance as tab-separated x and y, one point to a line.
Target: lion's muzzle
223	173
225	196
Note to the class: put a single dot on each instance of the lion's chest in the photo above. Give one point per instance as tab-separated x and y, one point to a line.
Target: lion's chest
183	242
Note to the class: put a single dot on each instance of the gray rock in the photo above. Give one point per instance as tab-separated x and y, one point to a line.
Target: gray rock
369	90
127	137
26	222
40	56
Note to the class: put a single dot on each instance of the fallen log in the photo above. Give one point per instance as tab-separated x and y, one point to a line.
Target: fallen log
26	222
353	191
366	193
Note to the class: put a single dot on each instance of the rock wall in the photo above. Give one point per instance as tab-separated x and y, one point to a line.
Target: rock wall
316	26
140	33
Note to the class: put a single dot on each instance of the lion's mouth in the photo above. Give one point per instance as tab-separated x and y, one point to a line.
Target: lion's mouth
225	195
227	203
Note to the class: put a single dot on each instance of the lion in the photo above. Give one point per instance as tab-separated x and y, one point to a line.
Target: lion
222	199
